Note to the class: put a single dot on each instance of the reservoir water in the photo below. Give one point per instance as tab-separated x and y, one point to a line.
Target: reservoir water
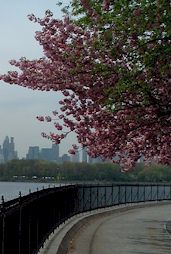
11	190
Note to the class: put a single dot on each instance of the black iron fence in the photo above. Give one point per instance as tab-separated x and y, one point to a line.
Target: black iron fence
26	222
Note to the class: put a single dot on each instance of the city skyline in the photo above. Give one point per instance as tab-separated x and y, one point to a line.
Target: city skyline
20	106
9	143
8	152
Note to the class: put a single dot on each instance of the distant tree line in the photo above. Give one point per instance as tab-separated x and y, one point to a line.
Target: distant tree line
39	170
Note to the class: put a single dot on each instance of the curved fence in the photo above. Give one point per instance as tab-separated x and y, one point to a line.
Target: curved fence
26	222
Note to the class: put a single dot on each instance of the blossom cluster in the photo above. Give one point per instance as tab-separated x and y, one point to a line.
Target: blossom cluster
115	78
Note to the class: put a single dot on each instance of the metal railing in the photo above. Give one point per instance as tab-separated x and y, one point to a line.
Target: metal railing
26	222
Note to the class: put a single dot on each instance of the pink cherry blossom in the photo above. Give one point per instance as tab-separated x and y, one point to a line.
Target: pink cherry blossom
115	79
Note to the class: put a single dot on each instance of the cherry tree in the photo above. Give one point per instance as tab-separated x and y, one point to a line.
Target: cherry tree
111	61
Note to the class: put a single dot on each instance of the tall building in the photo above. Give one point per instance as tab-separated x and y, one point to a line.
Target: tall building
33	153
65	158
76	157
84	155
45	154
50	154
12	145
1	155
55	152
8	149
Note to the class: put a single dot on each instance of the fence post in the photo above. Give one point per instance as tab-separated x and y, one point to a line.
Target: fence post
151	192
105	195
29	243
83	199
97	196
131	193
112	194
164	192
3	225
125	194
119	195
90	197
138	192
37	234
20	233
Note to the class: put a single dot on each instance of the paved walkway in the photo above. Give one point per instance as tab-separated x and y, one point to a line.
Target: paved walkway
119	231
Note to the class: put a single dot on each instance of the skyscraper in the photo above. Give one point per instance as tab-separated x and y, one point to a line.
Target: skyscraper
65	158
1	155
8	149
6	146
33	153
55	152
84	155
76	157
50	154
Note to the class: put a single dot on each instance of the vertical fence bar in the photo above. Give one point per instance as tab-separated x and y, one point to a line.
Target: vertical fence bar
19	229
119	195
144	193
37	234
3	234
138	191
97	193
83	198
29	235
3	225
90	189
125	195
112	195
131	193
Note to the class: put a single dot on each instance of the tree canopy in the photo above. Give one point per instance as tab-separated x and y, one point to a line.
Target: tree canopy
111	60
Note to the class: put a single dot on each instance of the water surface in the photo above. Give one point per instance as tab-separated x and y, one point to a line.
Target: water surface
11	190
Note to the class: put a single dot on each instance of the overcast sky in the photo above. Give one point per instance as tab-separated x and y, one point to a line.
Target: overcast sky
20	106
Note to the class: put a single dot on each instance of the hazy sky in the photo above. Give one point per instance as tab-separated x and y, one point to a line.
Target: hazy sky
20	106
